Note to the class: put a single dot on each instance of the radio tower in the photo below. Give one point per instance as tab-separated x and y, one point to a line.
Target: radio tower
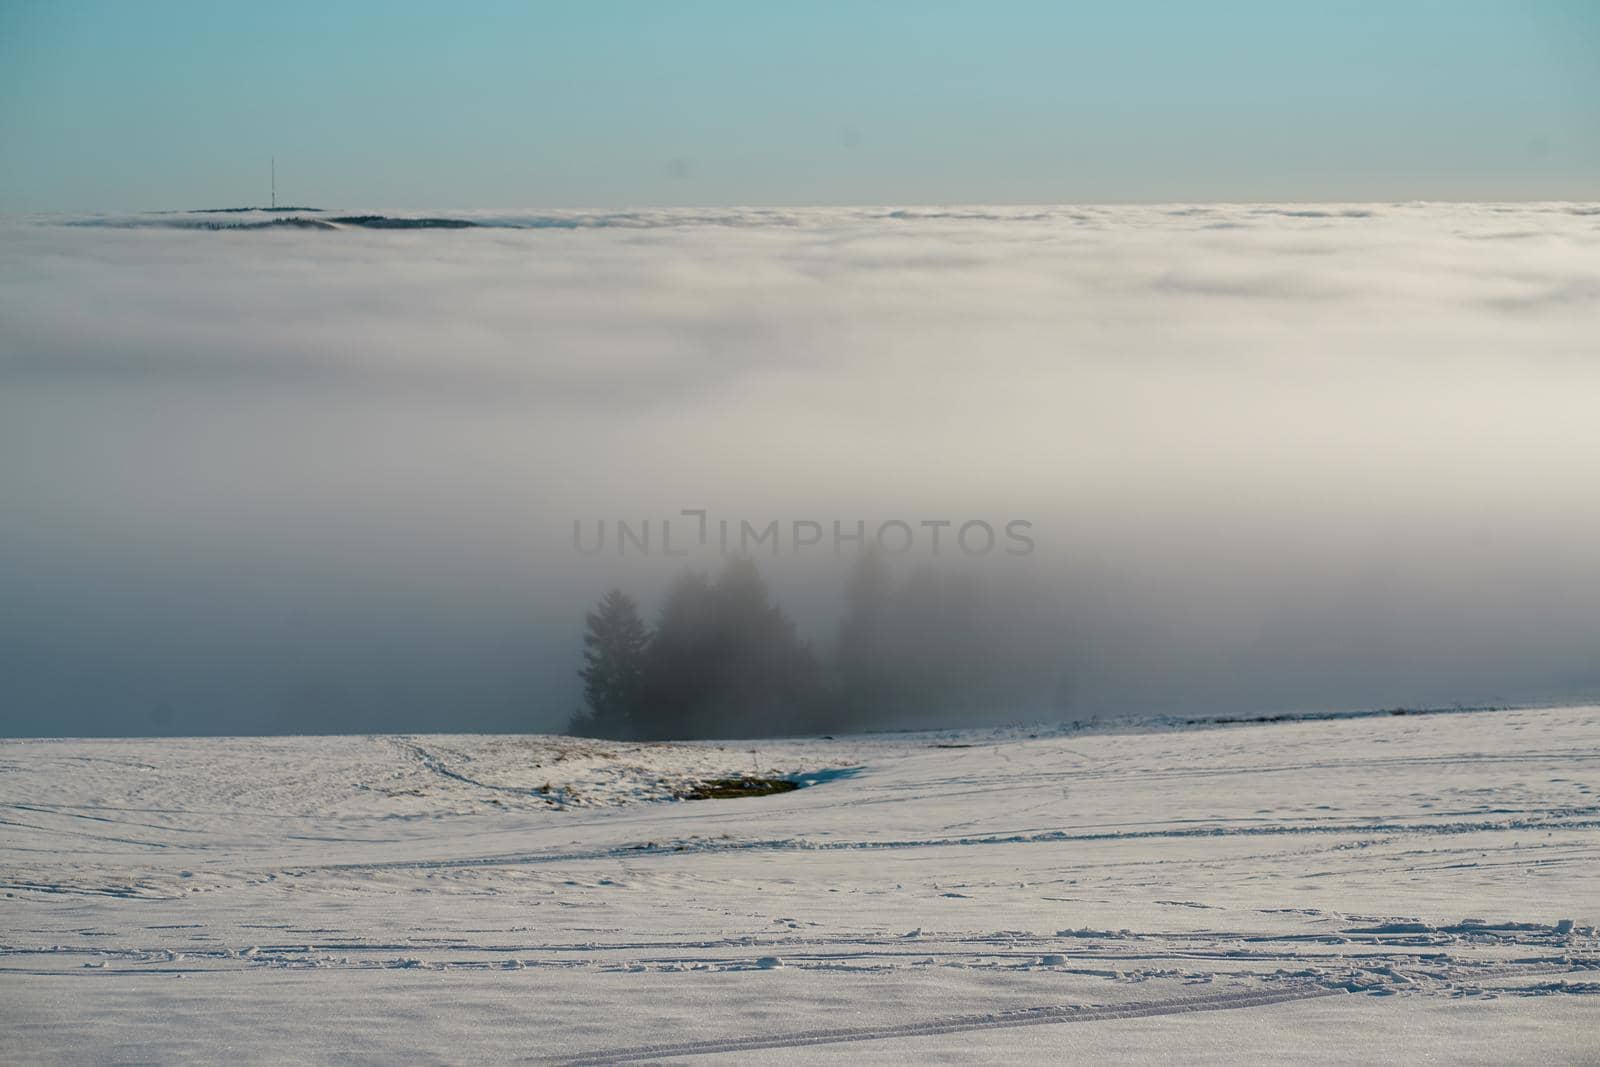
274	183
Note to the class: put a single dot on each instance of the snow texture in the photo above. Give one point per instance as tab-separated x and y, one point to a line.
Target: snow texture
1395	887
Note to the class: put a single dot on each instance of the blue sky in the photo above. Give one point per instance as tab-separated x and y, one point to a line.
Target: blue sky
116	106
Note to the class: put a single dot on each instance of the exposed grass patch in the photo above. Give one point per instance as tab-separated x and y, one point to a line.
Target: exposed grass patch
728	788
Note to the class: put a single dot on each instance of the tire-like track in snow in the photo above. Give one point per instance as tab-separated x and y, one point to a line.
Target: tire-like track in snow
1059	1013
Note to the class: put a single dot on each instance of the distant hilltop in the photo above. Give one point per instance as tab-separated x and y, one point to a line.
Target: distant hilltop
369	222
365	221
289	218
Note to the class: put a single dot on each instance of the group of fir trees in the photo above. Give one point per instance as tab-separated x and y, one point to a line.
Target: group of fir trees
723	660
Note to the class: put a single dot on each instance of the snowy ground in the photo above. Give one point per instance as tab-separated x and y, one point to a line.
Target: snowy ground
1405	888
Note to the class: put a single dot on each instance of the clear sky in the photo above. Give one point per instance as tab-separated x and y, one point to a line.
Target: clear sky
121	105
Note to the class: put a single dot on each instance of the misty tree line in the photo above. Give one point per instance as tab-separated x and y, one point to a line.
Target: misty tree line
724	660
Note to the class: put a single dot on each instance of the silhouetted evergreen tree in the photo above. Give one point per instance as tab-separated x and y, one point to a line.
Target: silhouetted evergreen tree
614	647
938	649
864	667
726	662
770	682
915	649
682	659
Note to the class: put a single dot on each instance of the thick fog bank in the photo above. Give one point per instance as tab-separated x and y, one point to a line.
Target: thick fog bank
1268	457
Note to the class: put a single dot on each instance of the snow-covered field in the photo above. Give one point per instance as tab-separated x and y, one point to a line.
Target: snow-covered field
1403	888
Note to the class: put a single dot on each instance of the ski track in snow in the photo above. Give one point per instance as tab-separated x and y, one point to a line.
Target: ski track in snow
1021	1017
178	898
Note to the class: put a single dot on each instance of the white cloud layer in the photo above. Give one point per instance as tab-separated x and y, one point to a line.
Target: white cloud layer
1275	455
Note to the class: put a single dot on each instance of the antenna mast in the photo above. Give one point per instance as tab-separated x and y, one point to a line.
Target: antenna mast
274	183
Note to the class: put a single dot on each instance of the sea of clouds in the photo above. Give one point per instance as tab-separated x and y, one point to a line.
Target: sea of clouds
1275	456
